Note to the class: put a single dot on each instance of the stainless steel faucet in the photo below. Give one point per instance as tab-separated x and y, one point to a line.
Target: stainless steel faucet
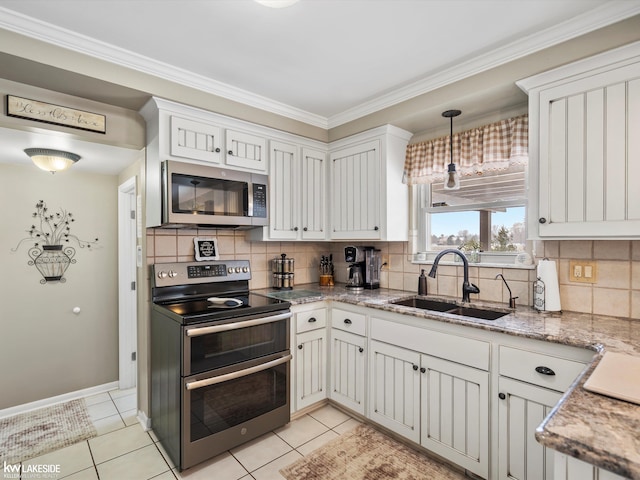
467	287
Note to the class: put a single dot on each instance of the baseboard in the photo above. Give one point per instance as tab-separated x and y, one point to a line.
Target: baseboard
47	402
144	420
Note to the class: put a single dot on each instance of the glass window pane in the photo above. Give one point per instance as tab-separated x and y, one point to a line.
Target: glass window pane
508	230
454	229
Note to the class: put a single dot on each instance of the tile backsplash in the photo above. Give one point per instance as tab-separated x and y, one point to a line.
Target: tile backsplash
617	291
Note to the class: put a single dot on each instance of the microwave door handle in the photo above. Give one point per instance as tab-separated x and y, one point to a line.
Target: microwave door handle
250	200
198	331
241	373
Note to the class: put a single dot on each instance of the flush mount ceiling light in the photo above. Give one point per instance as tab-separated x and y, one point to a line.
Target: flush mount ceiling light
277	3
51	160
452	178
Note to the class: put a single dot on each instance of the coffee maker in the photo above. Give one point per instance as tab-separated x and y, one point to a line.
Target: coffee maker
364	267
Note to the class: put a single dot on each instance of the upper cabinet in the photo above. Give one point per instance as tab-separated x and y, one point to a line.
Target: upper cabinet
584	148
368	199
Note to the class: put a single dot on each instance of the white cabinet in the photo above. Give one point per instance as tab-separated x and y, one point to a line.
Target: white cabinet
569	468
309	350
297	179
195	140
583	148
348	359
454	413
530	384
246	150
368	199
394	389
521	409
432	400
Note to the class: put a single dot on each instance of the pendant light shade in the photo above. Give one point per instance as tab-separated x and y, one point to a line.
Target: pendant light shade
52	160
452	178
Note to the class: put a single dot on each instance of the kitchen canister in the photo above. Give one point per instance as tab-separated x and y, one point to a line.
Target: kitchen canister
282	269
546	288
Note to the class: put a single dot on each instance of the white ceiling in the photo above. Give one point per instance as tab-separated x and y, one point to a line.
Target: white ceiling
326	62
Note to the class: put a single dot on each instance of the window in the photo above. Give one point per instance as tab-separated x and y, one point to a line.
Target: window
487	214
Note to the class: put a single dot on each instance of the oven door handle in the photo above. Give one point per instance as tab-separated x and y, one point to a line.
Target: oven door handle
196	332
241	373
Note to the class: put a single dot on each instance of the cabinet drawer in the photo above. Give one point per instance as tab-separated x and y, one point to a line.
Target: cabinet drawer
311	320
348	321
554	372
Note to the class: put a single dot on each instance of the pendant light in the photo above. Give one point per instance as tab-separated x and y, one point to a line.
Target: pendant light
51	160
452	178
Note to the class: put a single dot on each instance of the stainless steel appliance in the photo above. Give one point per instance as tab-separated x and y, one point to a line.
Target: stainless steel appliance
210	196
364	267
220	359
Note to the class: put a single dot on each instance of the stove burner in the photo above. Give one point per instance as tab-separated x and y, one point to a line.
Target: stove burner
228	302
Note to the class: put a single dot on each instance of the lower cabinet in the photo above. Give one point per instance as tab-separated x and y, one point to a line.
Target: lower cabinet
309	350
440	404
348	369
521	408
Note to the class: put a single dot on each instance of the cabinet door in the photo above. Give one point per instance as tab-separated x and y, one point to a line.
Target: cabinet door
313	195
310	360
522	409
196	140
455	413
394	389
356	192
284	204
246	150
588	156
348	369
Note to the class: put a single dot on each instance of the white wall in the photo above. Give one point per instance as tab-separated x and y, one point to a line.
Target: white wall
46	349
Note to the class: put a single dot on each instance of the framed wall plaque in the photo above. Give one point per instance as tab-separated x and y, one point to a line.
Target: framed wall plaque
55	114
206	249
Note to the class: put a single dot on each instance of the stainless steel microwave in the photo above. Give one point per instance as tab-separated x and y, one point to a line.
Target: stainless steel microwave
200	195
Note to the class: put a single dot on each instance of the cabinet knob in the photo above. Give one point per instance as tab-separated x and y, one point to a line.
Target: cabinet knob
542	220
305	229
230	152
376	228
545	371
502	396
218	150
423	370
300	347
360	349
348	321
311	320
295	229
415	367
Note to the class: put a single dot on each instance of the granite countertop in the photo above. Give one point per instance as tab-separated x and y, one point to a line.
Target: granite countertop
594	428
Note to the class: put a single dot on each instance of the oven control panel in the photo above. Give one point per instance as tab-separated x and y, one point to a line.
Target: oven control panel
185	273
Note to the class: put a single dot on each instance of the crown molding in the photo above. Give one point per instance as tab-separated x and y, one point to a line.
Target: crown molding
602	16
52	34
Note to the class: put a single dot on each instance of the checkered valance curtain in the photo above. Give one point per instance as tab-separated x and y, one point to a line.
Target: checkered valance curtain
503	145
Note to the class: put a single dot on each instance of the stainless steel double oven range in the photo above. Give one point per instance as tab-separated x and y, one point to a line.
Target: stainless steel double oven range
220	359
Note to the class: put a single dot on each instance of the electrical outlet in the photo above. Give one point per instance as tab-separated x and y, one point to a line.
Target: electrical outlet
582	271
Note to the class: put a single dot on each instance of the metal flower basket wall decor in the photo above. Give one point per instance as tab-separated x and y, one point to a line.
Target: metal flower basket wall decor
51	235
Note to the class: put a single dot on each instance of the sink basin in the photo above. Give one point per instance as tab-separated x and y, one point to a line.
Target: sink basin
425	304
452	308
477	313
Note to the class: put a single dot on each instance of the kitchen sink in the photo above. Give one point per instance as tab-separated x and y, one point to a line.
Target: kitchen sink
425	304
451	308
477	313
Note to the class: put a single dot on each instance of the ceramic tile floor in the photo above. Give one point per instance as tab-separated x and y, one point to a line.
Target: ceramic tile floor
124	451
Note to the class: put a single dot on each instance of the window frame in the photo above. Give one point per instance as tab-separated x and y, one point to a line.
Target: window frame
424	210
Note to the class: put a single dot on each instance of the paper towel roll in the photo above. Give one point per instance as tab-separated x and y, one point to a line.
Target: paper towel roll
548	273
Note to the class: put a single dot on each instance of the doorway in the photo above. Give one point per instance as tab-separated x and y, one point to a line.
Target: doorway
127	284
